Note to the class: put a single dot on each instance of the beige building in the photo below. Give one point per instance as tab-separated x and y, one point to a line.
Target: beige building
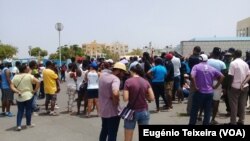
95	49
207	44
117	48
243	28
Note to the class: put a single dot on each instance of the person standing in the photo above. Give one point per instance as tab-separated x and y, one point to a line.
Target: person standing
202	76
63	70
50	87
169	80
228	57
146	64
238	72
137	89
34	71
22	84
192	61
177	78
7	94
71	79
248	62
159	73
220	66
109	85
92	78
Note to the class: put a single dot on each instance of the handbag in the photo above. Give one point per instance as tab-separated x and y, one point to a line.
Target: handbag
127	113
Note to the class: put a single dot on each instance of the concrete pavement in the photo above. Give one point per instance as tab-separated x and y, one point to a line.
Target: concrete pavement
66	127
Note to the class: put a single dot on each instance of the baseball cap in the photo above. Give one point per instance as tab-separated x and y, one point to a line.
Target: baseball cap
203	57
169	56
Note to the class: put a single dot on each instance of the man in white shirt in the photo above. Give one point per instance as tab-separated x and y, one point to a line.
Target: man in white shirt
238	72
177	77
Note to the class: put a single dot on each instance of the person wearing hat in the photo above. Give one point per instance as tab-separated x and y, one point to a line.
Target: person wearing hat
92	78
109	85
227	60
202	77
169	80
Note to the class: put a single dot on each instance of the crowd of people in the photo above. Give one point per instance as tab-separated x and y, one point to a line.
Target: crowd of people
203	79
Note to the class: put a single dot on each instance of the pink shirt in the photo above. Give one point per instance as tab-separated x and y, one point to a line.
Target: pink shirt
107	83
239	69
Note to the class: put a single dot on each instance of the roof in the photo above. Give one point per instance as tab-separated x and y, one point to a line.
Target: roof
221	39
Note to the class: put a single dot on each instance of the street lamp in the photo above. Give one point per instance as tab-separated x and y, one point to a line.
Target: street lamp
30	48
59	27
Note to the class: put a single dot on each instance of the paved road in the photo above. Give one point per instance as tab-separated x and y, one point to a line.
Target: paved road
66	127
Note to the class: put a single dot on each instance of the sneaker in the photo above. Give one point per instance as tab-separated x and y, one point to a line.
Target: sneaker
214	122
53	113
9	114
87	115
19	128
57	107
30	126
3	114
35	114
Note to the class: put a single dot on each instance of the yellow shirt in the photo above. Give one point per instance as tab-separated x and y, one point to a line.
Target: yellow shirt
23	82
49	80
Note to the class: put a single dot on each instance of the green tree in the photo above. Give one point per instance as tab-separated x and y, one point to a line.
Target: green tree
110	55
136	52
68	52
76	50
53	56
37	51
7	51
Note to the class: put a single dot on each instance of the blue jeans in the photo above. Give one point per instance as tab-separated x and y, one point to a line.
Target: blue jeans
34	103
109	128
27	106
201	100
141	117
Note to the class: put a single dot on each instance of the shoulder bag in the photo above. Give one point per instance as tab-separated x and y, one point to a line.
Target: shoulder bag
127	113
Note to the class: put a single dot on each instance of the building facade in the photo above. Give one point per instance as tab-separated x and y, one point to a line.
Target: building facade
243	28
95	49
207	45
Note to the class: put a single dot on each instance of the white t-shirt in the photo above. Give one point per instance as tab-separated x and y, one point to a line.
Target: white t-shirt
177	65
93	80
14	70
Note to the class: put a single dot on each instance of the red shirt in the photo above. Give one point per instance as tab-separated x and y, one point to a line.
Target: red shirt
137	86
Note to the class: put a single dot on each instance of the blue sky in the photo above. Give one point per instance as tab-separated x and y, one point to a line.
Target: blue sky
26	23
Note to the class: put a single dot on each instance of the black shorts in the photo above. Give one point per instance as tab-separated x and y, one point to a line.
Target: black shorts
51	97
92	93
7	94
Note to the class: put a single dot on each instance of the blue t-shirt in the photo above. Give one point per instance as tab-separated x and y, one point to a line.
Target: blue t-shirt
5	84
218	64
159	73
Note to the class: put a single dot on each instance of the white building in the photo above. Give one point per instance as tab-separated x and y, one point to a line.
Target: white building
207	44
